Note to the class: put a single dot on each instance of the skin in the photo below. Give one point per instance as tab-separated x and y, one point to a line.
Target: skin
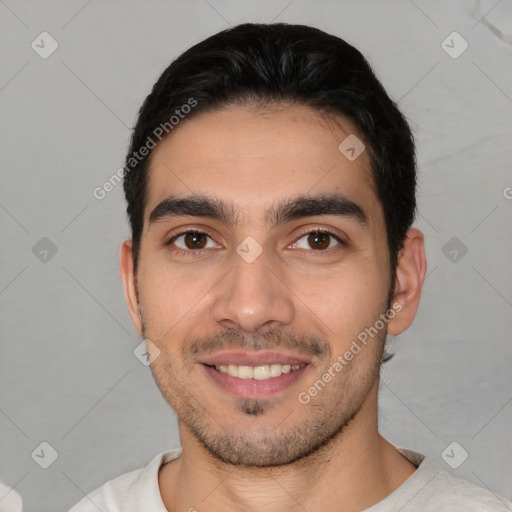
268	453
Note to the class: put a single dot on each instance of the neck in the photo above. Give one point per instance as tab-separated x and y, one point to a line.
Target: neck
352	472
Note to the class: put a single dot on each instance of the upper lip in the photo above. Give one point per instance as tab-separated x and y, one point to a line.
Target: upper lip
253	358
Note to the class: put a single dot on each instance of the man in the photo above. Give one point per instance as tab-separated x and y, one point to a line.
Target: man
271	191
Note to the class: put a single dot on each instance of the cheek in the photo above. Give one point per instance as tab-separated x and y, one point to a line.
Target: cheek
171	298
347	301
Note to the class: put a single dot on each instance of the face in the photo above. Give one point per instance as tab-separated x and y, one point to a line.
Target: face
263	257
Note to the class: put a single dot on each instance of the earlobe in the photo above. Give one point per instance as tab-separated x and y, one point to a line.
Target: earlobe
130	285
410	274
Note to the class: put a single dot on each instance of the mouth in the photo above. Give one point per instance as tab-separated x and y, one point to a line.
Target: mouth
256	375
261	372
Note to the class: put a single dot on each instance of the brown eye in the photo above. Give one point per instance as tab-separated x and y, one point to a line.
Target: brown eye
190	241
317	240
195	240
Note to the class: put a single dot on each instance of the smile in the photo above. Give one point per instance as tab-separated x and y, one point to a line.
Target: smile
260	372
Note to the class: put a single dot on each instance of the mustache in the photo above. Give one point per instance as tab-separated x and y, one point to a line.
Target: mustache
273	339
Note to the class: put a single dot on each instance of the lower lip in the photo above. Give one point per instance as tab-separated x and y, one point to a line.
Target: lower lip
253	388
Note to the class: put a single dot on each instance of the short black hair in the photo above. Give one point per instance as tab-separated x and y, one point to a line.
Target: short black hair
268	64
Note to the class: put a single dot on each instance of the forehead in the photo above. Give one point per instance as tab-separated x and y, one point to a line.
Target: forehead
253	158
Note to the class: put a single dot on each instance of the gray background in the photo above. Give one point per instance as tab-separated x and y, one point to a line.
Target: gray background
68	373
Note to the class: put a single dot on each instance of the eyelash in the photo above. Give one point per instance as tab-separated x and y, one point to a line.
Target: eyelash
198	252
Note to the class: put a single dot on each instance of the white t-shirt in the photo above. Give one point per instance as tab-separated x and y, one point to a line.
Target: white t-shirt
428	489
10	500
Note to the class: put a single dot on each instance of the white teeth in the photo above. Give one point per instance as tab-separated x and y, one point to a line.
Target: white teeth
232	370
261	372
245	372
275	370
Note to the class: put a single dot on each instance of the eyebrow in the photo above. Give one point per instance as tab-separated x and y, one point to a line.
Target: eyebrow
285	210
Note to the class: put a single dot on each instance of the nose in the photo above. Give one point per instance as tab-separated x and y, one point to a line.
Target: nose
253	296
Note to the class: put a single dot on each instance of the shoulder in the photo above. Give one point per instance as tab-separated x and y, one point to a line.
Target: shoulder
459	494
432	488
111	496
122	493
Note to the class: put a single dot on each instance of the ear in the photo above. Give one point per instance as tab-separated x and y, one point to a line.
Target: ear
129	284
410	274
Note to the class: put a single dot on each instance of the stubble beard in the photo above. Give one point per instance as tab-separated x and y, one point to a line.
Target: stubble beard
321	422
